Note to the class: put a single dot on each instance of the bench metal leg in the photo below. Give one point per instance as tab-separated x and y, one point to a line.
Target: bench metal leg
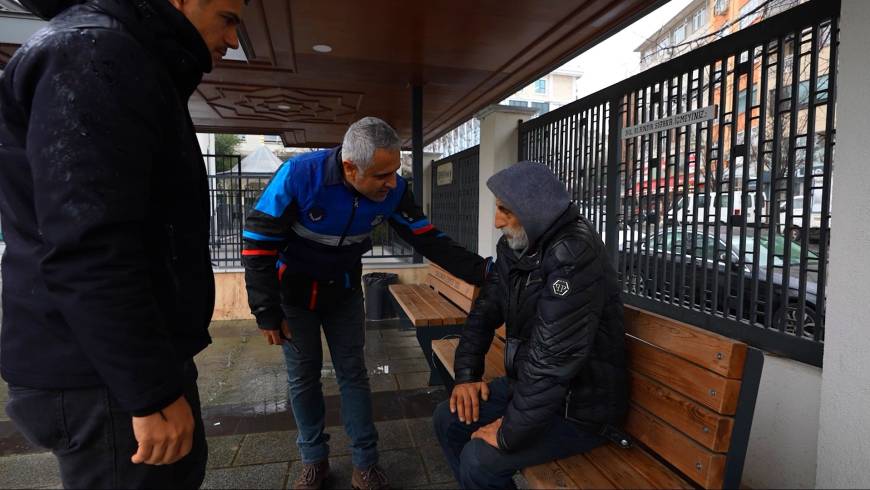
425	335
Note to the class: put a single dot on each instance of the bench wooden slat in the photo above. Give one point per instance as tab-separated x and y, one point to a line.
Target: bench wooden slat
549	475
701	465
703	386
465	289
448	313
459	299
501	333
445	350
705	426
405	295
621	474
712	351
606	460
584	474
657	474
425	307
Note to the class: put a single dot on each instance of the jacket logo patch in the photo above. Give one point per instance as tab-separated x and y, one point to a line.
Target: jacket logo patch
378	220
316	214
561	287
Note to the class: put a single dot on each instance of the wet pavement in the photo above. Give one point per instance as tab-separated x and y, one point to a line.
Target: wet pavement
251	432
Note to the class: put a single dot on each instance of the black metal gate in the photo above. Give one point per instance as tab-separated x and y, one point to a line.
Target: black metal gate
455	196
717	172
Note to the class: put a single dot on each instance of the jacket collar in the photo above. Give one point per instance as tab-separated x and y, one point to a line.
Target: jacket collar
334	171
166	33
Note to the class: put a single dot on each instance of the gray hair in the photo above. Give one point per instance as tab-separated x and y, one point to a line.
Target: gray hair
364	137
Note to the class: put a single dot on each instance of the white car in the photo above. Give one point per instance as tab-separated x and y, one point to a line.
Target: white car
742	209
797	227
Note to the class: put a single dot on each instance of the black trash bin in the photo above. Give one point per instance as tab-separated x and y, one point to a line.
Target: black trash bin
379	302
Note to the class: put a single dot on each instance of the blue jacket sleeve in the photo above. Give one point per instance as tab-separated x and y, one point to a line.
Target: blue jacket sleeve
414	227
265	234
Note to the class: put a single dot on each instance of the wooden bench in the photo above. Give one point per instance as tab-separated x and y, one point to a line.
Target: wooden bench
438	308
692	396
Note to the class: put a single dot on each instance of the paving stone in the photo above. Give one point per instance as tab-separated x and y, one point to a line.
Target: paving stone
382	382
268	447
436	465
254	476
399	366
413	381
29	471
222	450
404	352
404	468
422	432
392	434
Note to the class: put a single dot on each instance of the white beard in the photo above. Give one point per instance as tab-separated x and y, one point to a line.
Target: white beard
516	238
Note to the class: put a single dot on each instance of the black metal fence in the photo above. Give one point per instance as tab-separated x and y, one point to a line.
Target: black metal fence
232	194
711	185
455	205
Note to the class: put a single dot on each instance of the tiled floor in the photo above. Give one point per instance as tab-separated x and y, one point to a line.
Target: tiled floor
252	434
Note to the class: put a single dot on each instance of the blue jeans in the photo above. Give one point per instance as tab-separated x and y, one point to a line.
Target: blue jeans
344	327
476	464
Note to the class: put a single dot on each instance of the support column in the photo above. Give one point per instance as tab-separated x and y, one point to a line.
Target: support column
417	149
498	150
844	425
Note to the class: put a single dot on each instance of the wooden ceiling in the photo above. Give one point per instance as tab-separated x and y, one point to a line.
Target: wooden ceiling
467	54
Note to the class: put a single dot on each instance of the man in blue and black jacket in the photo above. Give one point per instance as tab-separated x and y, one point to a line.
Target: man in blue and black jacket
304	240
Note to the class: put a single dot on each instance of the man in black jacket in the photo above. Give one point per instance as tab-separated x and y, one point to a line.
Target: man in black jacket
107	282
565	391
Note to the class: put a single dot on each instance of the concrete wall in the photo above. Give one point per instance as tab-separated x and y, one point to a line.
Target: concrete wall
782	445
844	431
231	298
498	150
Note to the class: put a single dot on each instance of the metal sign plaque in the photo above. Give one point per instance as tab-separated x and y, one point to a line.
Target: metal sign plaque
670	122
444	174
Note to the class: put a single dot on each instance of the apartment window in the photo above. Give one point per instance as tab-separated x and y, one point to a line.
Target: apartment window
721	7
541	86
700	19
518	103
271	138
541	107
680	34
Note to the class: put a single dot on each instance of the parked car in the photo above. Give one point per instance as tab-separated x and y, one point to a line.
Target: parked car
709	260
746	207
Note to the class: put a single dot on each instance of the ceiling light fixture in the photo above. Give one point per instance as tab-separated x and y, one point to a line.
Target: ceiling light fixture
322	48
283	107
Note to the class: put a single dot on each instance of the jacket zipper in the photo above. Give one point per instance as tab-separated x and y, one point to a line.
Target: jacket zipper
350	221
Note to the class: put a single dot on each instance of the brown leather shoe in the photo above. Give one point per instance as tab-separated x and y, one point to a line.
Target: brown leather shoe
372	478
312	476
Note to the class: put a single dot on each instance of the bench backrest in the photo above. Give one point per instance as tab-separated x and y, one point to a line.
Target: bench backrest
451	287
692	396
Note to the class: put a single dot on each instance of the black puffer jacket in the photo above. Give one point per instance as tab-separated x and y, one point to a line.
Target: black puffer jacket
106	276
565	349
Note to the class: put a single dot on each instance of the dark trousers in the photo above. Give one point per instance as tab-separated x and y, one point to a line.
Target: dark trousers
92	437
476	464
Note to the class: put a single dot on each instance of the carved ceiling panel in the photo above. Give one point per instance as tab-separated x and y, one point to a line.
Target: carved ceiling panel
281	104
